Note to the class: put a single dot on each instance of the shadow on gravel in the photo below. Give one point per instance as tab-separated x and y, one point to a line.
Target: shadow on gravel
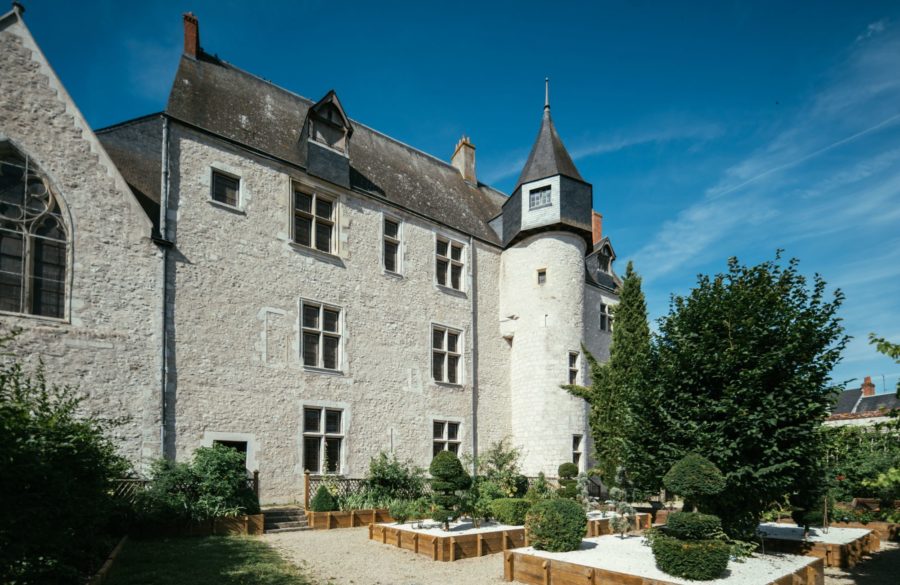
882	568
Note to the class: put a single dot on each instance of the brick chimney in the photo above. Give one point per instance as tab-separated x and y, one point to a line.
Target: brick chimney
868	388
464	159
596	226
191	35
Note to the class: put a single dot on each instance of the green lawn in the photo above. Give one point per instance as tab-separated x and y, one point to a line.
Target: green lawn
215	560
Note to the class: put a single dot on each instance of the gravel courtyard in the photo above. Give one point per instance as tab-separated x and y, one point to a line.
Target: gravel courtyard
348	557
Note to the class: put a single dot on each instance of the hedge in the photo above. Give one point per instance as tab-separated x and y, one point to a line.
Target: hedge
693	526
701	560
555	525
510	511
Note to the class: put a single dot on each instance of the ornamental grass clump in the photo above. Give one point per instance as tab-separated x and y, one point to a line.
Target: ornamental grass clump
448	480
555	525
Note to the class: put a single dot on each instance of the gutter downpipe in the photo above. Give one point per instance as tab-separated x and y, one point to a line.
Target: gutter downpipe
164	245
474	348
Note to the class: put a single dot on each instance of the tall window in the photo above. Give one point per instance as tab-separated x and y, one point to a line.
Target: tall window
33	241
391	245
321	340
226	189
449	263
314	221
323	439
446	354
576	449
539	197
573	367
446	437
606	318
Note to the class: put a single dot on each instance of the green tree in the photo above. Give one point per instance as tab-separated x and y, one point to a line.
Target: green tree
615	384
741	374
891	350
448	480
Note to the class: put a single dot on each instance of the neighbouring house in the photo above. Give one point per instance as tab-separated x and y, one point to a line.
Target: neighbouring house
862	406
258	269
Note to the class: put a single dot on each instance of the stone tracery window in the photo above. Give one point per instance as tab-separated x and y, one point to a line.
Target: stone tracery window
33	240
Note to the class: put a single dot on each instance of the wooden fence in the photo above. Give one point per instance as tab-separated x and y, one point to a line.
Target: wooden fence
128	488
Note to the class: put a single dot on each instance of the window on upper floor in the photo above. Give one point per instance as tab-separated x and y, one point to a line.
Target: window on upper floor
323	439
573	367
321	335
446	354
542	276
226	189
445	437
606	318
576	449
391	245
539	197
450	263
314	221
33	240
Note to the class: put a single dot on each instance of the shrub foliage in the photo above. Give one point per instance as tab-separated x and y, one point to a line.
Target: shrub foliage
567	482
693	526
701	560
391	479
694	478
323	501
510	511
555	525
448	479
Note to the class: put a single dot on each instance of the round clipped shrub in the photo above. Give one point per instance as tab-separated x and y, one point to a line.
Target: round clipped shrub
323	501
567	470
693	526
701	560
694	477
510	511
448	478
555	525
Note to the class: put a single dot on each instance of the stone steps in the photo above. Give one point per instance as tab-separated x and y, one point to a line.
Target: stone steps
285	520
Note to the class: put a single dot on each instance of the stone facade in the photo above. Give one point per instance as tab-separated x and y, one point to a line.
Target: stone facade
228	346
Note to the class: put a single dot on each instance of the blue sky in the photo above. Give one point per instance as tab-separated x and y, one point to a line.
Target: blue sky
708	129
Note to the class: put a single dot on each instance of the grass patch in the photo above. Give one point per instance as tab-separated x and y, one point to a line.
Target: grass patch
214	560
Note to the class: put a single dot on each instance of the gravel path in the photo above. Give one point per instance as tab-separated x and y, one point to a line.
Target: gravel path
348	557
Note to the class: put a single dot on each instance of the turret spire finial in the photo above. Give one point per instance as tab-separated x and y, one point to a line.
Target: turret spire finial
546	93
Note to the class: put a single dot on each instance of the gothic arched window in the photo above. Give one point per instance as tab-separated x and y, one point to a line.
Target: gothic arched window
33	241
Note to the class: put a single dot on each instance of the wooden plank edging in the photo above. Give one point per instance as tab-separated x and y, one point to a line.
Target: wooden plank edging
103	573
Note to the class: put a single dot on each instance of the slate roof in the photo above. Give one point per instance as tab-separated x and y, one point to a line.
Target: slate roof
851	403
548	155
217	97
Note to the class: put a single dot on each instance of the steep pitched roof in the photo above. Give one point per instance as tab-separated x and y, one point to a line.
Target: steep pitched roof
852	402
548	155
226	101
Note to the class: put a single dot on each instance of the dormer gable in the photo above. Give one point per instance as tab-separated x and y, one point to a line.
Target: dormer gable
328	131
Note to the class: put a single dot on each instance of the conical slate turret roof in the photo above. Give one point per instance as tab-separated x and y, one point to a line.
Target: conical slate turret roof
548	155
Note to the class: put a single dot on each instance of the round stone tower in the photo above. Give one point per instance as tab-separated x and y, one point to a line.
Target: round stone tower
546	226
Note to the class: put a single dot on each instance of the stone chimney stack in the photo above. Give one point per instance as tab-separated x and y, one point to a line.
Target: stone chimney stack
464	159
596	226
191	35
868	388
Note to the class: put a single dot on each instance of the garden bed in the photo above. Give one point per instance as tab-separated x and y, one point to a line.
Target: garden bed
886	531
610	560
346	519
598	526
839	547
463	541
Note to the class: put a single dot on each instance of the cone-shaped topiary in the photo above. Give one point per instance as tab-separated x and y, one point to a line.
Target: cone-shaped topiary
693	478
323	501
448	478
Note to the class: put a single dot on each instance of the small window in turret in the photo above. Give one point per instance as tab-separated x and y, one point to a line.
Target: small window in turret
573	367
539	197
542	276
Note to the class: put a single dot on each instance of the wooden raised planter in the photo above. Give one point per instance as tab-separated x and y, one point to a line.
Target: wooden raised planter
535	570
600	526
449	548
348	519
239	525
834	555
886	531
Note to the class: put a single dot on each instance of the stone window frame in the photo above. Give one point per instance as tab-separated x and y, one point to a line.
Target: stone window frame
445	440
459	353
542	201
66	222
541	276
231	172
322	434
210	438
398	240
315	193
574	366
577	449
461	262
340	334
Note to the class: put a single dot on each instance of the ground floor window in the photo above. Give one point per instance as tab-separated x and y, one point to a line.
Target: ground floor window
323	439
446	437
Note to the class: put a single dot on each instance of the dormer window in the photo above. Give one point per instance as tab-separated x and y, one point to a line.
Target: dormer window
328	124
329	134
539	197
603	261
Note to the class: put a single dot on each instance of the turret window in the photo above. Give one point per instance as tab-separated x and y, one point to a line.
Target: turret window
449	263
573	367
542	276
33	240
539	197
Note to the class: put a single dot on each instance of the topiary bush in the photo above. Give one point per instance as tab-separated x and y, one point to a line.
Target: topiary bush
694	477
400	510
567	482
510	511
323	501
555	525
701	560
448	478
693	526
